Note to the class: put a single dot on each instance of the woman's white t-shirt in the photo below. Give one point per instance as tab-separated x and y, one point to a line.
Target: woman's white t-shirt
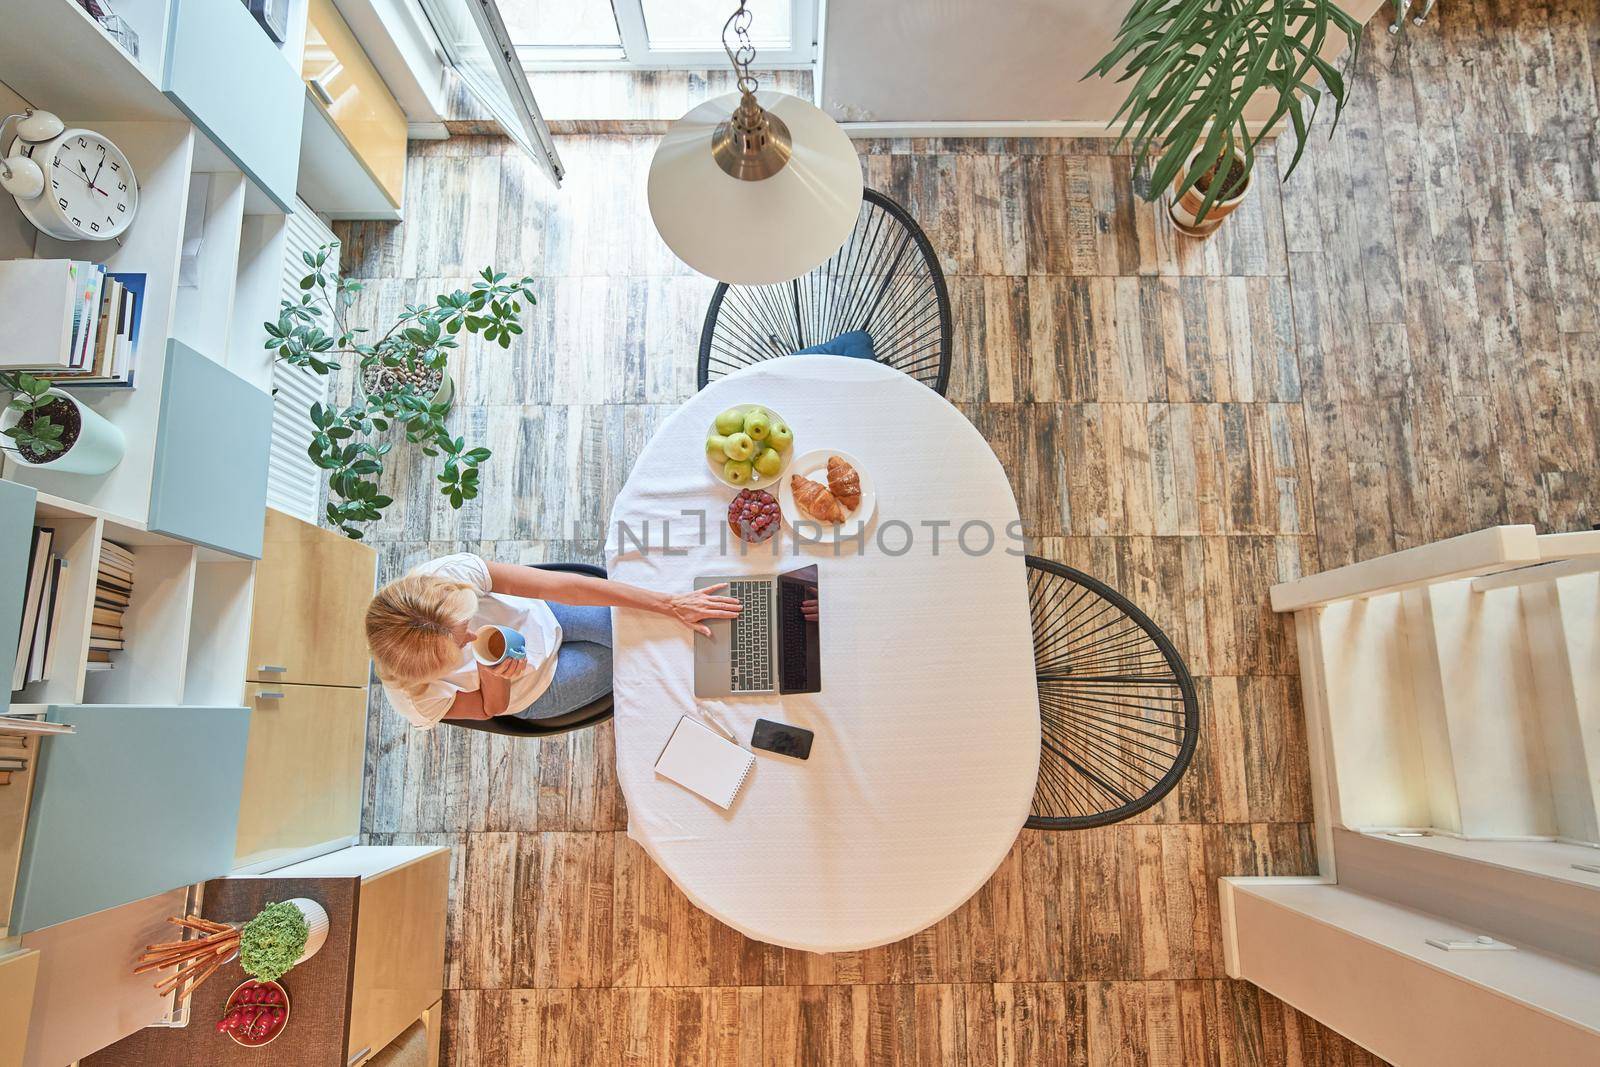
531	618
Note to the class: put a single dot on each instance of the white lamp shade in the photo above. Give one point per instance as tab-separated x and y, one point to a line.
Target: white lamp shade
755	232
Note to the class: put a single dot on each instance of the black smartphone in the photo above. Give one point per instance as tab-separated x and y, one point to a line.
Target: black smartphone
781	738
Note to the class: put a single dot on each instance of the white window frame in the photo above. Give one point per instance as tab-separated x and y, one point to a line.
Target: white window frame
636	53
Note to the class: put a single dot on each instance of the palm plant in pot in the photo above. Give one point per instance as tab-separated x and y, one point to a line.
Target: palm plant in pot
402	380
45	427
1196	67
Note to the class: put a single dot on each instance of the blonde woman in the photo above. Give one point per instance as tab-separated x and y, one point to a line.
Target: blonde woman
420	627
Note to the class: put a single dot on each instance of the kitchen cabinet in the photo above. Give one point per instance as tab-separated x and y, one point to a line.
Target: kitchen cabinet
19	969
208	484
311	593
136	801
364	173
302	772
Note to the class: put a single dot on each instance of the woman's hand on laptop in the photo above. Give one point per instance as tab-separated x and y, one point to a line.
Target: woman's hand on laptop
692	609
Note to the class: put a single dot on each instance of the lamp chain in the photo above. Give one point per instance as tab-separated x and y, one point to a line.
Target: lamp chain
745	52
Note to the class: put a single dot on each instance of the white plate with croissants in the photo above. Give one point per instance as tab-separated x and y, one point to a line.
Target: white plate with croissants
825	495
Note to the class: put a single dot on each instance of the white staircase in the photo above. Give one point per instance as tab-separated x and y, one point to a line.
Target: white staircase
1452	697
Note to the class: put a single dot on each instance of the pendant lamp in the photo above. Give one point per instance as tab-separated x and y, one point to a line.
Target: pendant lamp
754	188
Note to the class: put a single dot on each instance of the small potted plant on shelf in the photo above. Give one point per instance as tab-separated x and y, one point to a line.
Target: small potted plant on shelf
1196	67
48	428
402	380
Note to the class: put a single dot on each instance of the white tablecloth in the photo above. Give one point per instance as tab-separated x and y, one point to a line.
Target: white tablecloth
927	725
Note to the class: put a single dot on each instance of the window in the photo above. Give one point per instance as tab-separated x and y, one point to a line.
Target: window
655	33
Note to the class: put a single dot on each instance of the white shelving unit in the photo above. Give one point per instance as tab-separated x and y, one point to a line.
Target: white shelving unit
187	623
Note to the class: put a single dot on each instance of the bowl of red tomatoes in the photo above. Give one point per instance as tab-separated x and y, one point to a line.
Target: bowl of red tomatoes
255	1014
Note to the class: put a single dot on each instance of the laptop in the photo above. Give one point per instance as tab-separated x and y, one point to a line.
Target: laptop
772	647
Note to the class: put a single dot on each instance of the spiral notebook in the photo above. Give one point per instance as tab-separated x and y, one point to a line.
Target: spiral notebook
703	761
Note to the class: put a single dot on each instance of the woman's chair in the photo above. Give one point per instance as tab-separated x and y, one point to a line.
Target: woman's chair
591	714
882	296
1116	703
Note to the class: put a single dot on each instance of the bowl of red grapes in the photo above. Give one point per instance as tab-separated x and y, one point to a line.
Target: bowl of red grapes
753	516
255	1013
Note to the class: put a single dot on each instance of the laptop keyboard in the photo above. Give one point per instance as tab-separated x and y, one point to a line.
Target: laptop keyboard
752	637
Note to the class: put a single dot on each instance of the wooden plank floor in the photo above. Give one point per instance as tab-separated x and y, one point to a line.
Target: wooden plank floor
1401	344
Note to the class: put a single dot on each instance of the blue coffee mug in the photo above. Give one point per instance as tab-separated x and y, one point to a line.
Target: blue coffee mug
514	646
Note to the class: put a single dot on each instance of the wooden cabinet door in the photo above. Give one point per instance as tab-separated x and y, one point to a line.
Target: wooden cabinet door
311	592
349	89
399	970
302	771
18	971
137	801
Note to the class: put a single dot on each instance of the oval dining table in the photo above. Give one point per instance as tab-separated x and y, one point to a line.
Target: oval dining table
927	723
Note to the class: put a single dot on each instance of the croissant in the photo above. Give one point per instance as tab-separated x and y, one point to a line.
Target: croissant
845	483
816	500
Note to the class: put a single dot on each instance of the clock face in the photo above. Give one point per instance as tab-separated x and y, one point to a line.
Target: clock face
89	186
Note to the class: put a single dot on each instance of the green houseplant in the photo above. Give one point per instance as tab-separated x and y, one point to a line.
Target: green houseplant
397	376
45	427
1195	66
281	936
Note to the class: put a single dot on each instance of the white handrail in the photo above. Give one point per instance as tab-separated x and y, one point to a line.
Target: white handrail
1482	552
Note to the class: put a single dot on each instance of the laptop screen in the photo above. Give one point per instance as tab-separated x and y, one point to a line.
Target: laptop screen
799	643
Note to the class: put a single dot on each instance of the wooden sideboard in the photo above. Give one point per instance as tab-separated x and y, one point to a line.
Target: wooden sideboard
307	689
380	973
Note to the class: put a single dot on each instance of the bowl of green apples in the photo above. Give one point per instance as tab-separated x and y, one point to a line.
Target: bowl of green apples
748	446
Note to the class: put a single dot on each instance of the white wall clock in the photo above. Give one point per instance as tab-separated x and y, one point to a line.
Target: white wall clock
74	184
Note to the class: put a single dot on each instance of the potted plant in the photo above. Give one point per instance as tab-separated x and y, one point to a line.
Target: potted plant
280	936
402	380
1196	66
51	429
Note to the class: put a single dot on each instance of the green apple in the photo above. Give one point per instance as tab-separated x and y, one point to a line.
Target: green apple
780	436
716	447
767	462
757	423
737	471
730	421
739	446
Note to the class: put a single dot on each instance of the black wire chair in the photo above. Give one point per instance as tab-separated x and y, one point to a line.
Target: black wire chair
885	280
591	714
1116	703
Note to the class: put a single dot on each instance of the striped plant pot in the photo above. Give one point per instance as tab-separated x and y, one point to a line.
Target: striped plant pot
1183	209
316	926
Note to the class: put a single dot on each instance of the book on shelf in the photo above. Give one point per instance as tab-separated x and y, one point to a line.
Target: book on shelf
114	577
100	630
114	601
45	642
42	605
99	659
107	617
71	321
38	310
113	581
115	553
33	596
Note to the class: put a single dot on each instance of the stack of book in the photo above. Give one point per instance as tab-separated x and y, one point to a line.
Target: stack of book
70	321
113	588
41	611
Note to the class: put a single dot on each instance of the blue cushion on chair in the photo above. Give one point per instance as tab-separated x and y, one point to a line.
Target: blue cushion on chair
854	343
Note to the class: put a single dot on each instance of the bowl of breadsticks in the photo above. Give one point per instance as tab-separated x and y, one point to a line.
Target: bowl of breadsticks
825	495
